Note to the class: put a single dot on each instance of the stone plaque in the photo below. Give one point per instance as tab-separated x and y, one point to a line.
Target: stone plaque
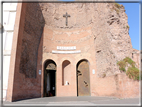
39	72
93	71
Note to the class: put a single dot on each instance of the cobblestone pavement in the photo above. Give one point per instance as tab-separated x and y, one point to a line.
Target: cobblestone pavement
75	101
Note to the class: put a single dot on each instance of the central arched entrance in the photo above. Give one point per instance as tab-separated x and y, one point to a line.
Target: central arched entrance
49	78
83	78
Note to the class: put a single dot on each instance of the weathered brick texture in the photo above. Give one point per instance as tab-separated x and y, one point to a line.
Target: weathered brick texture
32	34
98	30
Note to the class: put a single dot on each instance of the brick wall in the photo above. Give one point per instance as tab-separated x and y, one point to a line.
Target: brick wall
32	33
118	85
24	80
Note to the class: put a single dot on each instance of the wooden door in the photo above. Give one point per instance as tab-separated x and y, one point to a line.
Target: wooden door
83	79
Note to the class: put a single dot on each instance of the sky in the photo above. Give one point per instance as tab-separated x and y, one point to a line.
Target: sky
132	11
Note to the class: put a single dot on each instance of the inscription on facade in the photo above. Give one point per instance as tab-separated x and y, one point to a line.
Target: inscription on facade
66	52
66	48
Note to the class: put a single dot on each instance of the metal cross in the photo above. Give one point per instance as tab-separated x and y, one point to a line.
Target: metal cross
66	15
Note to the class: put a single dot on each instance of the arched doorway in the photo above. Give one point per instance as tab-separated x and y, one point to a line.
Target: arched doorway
49	78
83	78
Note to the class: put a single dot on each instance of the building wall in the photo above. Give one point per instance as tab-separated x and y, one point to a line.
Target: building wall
136	57
23	85
33	28
83	40
118	85
36	41
9	14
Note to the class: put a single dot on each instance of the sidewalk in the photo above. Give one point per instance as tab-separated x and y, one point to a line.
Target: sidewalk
72	101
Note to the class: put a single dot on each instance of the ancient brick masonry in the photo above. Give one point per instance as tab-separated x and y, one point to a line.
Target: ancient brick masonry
23	79
33	29
112	41
98	30
109	28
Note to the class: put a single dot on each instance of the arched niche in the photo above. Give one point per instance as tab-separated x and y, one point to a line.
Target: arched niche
66	72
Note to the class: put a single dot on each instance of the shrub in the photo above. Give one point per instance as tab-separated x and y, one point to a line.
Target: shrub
122	65
133	73
130	61
122	69
117	5
127	27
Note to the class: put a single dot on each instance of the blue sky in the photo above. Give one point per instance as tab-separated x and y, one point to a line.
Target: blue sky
132	11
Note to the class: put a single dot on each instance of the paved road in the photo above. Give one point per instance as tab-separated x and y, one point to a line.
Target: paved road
75	101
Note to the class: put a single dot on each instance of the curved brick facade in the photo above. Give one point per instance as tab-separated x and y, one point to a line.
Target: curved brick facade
95	31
